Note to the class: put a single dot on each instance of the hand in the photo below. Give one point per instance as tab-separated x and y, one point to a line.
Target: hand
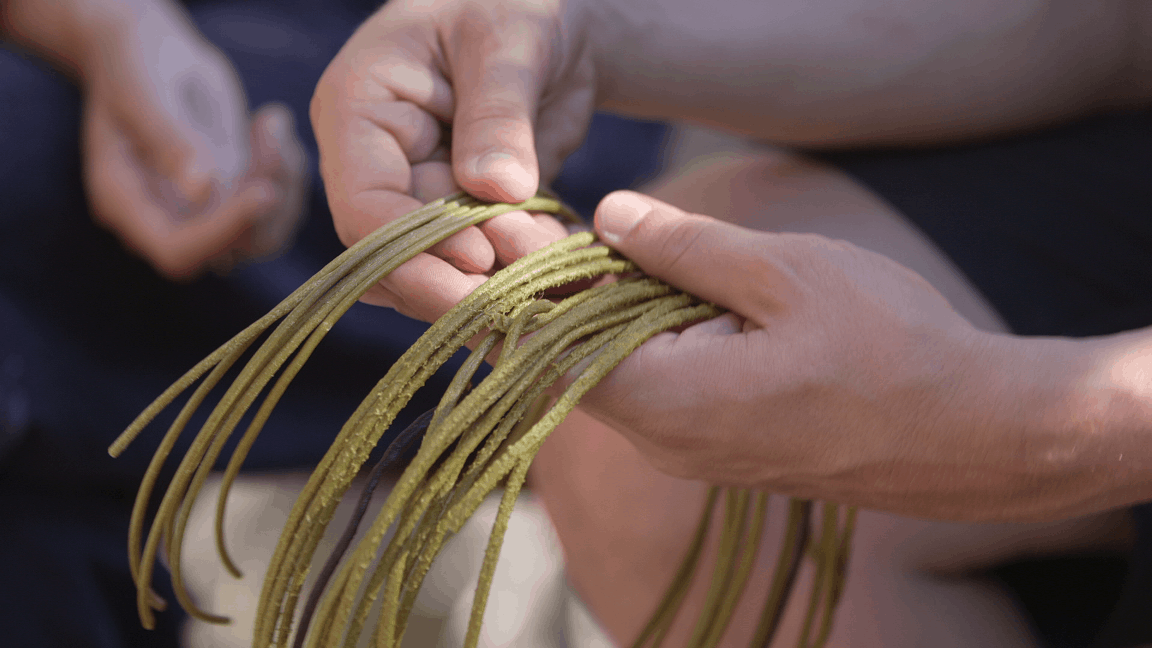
517	91
173	163
838	373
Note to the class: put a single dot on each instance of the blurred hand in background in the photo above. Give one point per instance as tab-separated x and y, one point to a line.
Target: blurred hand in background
174	163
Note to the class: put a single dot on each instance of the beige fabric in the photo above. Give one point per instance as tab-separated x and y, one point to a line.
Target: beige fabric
530	604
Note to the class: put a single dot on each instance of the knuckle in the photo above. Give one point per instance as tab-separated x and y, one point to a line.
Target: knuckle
676	241
501	114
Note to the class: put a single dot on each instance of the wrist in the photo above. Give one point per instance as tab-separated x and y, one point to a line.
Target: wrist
1072	418
1107	406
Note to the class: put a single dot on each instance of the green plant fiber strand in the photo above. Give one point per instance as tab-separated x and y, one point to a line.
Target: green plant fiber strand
787	566
425	455
527	412
406	375
331	270
344	602
825	554
500	379
492	552
749	547
838	571
432	532
736	504
143	495
351	290
665	612
179	489
352	256
478	437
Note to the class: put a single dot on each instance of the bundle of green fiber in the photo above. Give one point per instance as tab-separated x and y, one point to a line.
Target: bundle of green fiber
478	438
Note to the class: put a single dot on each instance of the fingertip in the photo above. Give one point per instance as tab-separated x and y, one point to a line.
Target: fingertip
619	213
499	176
279	123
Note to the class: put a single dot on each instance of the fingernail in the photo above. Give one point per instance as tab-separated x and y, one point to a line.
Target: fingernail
492	163
619	215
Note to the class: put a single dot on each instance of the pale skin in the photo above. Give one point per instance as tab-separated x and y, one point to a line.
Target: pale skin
624	525
174	163
875	379
859	379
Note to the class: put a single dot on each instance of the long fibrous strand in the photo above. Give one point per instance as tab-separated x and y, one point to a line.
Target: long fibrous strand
471	442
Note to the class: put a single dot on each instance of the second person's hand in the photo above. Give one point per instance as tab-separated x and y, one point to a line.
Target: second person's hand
173	162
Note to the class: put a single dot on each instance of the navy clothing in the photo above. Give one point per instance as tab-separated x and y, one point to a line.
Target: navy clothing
89	334
1055	229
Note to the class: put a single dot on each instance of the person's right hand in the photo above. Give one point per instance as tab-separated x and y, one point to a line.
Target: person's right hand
429	98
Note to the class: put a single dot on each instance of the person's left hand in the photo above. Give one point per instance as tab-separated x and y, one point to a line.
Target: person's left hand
173	163
838	373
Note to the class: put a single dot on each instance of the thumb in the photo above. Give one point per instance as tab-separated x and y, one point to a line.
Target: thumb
493	144
719	262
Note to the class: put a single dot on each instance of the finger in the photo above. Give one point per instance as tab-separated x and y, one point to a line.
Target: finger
277	157
380	296
277	153
374	117
493	144
229	229
648	367
517	234
716	261
468	250
357	216
356	213
426	287
665	395
123	200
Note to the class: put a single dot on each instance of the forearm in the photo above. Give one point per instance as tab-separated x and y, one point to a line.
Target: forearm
61	32
1021	429
75	35
860	71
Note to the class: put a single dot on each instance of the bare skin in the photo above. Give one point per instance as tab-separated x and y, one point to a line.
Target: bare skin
625	525
519	80
174	164
881	393
854	354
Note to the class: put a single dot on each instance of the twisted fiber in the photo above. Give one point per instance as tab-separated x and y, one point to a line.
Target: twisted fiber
475	439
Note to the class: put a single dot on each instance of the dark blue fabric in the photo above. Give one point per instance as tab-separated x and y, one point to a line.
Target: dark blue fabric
620	153
89	334
1130	623
1055	229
